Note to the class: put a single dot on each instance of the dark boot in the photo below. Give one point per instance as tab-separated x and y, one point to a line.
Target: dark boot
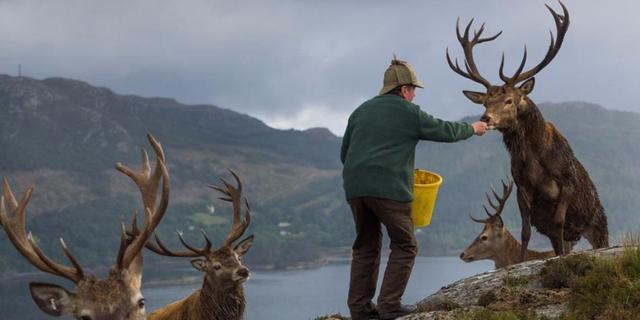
370	313
400	312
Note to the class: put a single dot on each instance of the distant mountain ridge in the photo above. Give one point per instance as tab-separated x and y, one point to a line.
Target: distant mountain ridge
64	136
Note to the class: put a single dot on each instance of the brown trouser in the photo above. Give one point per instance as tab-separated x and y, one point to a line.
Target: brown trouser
368	213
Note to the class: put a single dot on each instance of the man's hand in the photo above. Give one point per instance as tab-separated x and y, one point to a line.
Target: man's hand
479	128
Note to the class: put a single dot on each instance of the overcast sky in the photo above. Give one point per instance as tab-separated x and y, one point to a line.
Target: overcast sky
301	64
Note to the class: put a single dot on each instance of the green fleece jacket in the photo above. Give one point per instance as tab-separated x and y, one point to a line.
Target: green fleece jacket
378	147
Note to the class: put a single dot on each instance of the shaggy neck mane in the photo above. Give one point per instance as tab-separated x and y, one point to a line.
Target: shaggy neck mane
527	133
220	304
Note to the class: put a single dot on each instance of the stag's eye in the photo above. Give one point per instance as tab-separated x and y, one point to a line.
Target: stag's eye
509	101
484	238
141	303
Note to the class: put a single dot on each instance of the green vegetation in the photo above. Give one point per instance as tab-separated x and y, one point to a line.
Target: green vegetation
331	317
487	298
563	272
610	291
208	219
485	314
599	288
514	281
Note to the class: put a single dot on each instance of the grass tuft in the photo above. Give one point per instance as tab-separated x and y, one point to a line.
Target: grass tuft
485	314
611	291
487	298
561	273
515	281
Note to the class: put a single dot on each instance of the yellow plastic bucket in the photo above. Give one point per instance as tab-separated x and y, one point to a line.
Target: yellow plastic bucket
425	191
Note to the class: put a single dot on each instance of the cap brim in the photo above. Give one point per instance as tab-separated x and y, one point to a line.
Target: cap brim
386	89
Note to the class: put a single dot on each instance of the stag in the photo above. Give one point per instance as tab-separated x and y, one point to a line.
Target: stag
495	242
555	192
117	297
221	296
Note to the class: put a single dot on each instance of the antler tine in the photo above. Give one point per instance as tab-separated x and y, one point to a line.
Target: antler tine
234	195
510	80
467	46
456	68
158	247
506	188
478	220
198	252
488	38
8	194
148	185
506	191
238	229
562	25
14	225
71	258
487	211
490	201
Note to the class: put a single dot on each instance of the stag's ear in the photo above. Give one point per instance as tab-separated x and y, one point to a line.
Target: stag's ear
199	264
475	97
244	245
52	299
527	86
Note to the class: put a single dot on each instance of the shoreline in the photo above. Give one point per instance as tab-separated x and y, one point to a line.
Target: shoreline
332	256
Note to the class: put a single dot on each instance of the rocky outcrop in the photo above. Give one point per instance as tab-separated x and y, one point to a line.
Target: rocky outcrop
517	287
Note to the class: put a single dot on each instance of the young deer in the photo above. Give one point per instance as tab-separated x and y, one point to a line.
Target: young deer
495	242
555	192
222	295
118	296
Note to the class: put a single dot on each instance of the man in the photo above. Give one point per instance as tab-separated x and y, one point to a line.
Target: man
378	150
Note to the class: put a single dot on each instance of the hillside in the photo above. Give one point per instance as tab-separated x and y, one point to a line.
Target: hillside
64	137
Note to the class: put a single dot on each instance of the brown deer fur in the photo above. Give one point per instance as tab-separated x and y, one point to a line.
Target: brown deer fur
116	297
222	295
219	298
496	243
503	253
555	192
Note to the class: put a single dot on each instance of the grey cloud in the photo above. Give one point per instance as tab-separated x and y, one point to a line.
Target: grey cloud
272	58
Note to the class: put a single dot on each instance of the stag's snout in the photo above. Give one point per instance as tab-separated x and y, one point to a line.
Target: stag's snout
466	257
242	274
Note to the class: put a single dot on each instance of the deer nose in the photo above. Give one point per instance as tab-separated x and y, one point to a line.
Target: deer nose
485	118
462	256
243	272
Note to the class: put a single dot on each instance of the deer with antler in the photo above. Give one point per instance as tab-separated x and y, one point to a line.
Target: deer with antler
117	297
555	192
222	295
495	242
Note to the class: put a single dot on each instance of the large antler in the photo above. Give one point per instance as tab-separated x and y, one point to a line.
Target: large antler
231	194
506	191
562	25
14	226
158	247
148	183
234	195
467	44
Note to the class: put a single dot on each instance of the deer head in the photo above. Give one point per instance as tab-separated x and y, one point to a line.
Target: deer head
117	297
492	239
223	267
504	103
